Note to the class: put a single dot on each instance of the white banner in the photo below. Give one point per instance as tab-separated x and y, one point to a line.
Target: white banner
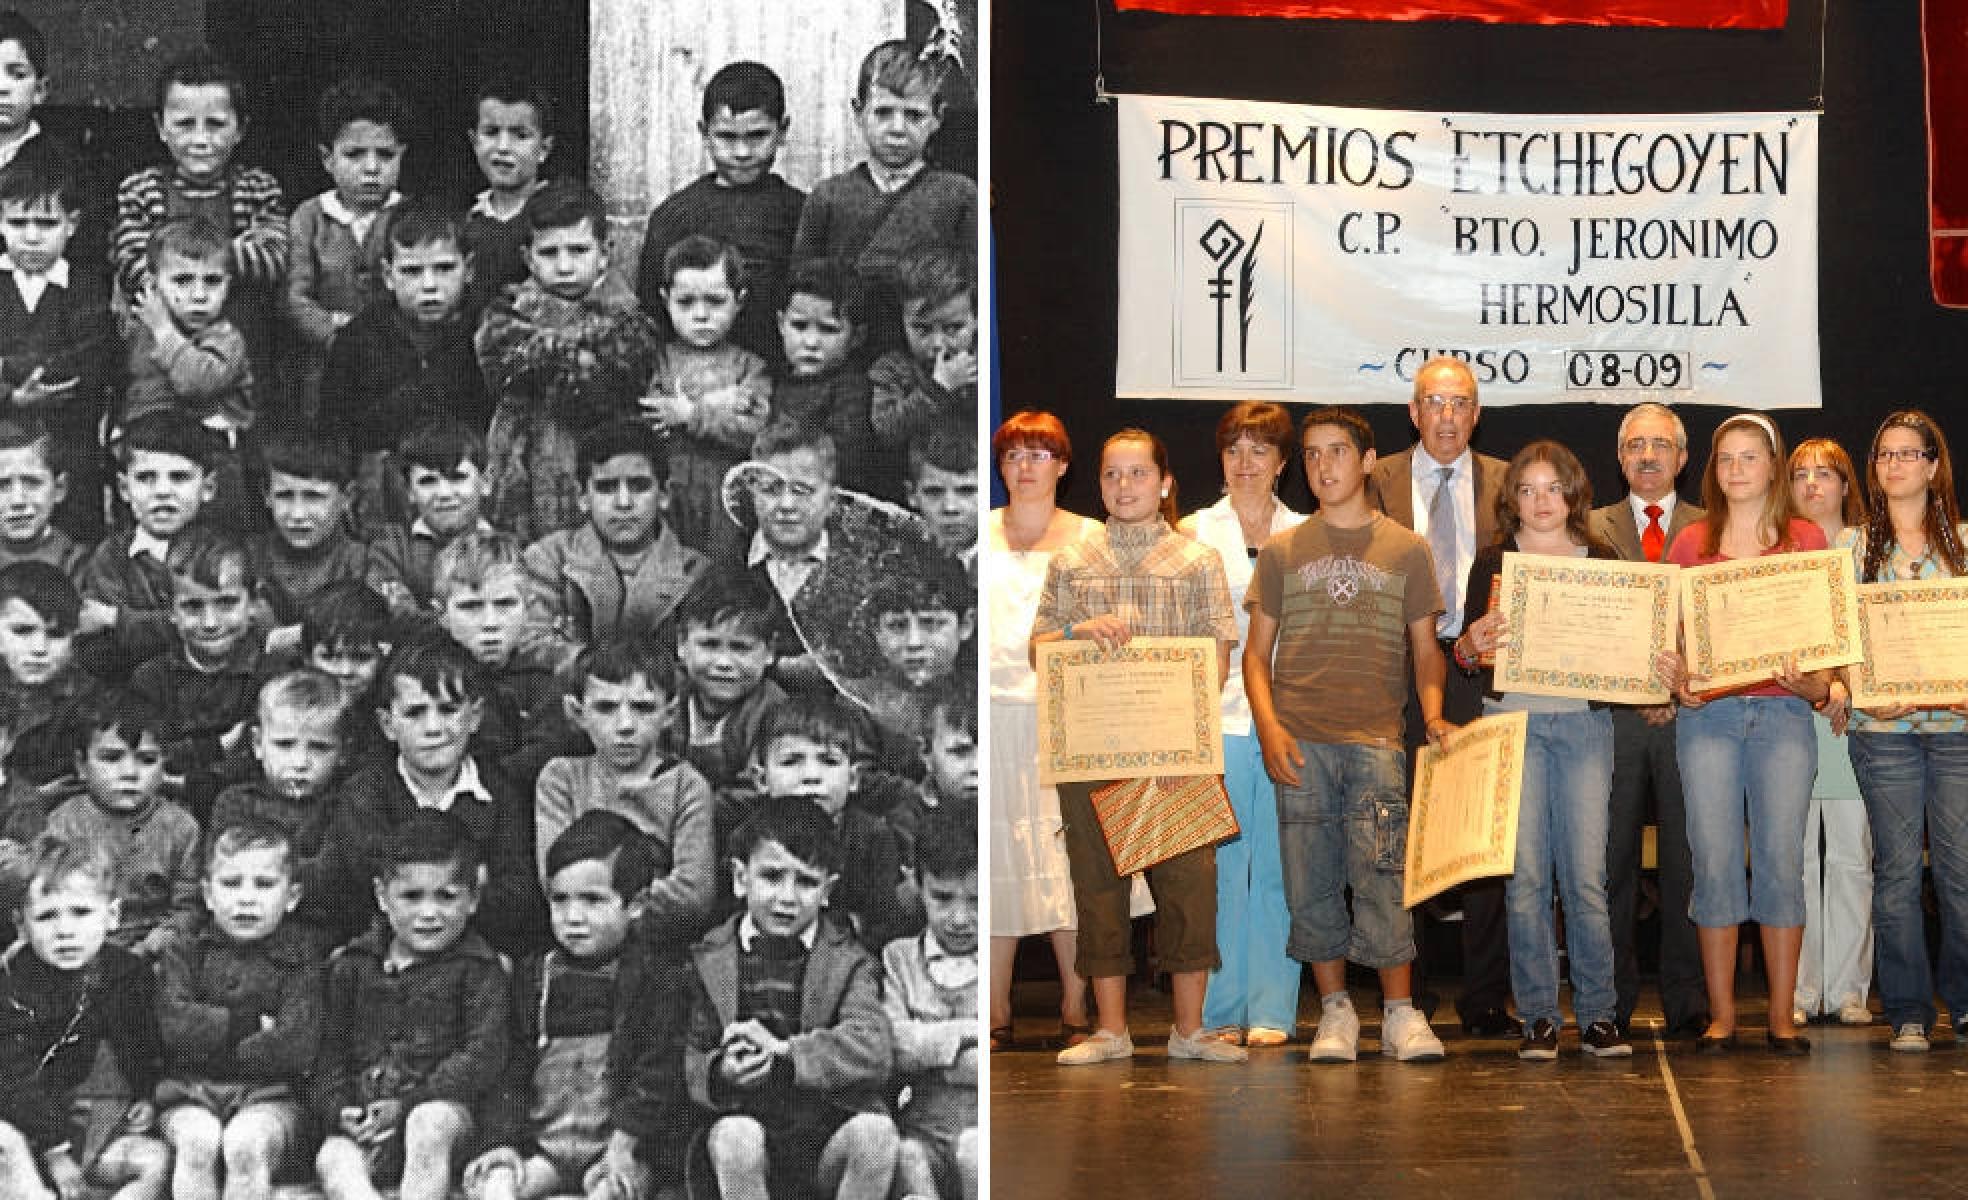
1289	252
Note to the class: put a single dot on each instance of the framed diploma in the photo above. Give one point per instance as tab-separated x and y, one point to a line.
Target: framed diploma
1462	824
1586	628
1741	618
1915	637
1151	707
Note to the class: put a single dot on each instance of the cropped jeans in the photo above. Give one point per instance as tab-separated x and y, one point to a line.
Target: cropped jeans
1747	760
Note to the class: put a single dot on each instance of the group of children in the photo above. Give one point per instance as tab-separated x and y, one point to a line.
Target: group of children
428	776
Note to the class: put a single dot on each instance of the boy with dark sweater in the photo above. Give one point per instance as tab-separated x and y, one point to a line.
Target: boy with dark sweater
58	348
741	201
307	547
406	359
724	638
65	991
933	380
415	1029
39	608
33	486
443	467
593	1092
433	695
789	1051
240	1006
512	135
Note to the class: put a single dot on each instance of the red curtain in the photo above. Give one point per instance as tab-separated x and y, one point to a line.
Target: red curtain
1700	14
1944	29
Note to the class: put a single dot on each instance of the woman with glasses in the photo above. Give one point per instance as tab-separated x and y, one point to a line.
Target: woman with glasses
1748	754
1137	576
1253	997
1834	970
1031	892
1912	763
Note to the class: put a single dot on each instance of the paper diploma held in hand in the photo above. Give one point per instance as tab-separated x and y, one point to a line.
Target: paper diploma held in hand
1151	707
1740	619
1463	822
1915	636
1585	627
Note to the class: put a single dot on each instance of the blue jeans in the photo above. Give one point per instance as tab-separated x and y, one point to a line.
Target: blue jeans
1753	759
1562	821
1915	782
1258	982
1347	824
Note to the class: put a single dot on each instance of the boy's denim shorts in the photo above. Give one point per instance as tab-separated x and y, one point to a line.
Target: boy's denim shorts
1346	824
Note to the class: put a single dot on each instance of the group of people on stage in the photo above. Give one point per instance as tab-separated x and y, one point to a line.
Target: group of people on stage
1363	630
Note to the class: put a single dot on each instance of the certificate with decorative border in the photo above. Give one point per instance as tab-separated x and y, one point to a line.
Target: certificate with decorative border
1587	628
1463	822
1151	707
1915	636
1740	619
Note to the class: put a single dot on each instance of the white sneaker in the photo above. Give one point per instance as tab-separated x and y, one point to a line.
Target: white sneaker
1338	1037
1854	1012
1103	1046
1203	1048
1910	1038
1404	1033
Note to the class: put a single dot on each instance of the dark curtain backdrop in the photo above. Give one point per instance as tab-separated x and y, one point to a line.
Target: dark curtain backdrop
1884	343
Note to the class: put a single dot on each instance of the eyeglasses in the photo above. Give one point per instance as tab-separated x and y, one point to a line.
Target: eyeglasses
1456	404
1906	454
1029	454
1640	445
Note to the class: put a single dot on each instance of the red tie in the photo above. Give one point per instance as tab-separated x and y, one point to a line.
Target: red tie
1653	539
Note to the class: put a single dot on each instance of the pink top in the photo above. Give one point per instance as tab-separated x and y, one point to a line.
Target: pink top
1686	552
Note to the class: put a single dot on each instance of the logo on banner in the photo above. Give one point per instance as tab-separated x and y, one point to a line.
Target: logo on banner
1233	314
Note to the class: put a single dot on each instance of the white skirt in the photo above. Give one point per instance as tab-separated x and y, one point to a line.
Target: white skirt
1031	884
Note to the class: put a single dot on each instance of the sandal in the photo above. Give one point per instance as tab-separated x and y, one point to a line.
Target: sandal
1001	1038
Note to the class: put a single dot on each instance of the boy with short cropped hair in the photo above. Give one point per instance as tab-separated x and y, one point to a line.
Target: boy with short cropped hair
239	1002
821	324
565	351
432	695
65	991
591	1012
200	120
166	478
740	201
24	63
949	764
307	547
335	239
724	639
58	349
478	585
878	213
622	702
210	681
930	992
941	486
415	1029
789	1051
622	572
406	358
443	467
512	136
185	354
33	487
347	635
119	756
934	380
298	736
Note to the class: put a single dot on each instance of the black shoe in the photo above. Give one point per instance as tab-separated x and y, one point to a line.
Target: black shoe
1789	1047
1603	1039
1492	1023
1540	1042
1715	1045
1692	1025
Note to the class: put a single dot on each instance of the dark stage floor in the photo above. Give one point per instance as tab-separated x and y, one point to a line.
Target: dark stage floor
1853	1119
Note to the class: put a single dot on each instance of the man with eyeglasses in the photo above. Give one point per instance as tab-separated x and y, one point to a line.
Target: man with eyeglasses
1653	447
1446	492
